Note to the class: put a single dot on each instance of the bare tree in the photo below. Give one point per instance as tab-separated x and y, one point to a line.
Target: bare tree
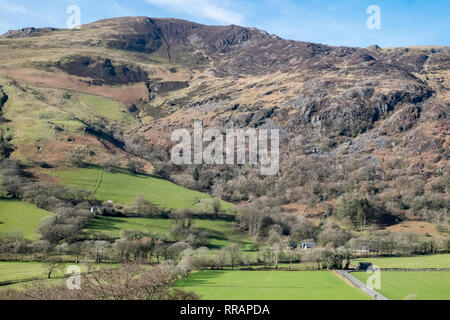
128	282
136	166
143	207
217	207
234	254
251	217
52	264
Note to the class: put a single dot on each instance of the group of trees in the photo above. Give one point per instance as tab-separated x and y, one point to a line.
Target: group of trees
273	229
183	229
367	189
327	258
127	282
5	135
69	205
390	243
137	246
5	142
142	207
277	233
255	217
65	224
357	212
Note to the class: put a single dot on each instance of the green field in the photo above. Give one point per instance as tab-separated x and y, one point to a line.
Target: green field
428	261
220	232
412	285
13	271
123	187
106	108
26	273
24	286
270	285
20	216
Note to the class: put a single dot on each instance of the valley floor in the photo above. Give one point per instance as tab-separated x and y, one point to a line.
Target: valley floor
412	285
270	285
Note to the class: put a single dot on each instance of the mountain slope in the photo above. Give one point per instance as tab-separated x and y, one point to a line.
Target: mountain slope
355	123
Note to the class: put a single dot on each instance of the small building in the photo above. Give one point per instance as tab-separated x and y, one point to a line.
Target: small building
363	266
308	245
292	245
362	249
106	209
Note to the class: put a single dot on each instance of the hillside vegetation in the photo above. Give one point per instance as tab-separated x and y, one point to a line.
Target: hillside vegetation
356	124
428	261
86	120
123	187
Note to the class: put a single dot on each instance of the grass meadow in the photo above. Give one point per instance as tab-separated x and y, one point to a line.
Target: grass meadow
107	108
14	271
412	285
22	217
270	285
123	187
220	232
429	261
25	274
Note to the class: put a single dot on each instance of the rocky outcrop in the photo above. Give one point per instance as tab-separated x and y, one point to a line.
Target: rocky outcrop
102	70
167	86
337	108
27	32
236	50
3	100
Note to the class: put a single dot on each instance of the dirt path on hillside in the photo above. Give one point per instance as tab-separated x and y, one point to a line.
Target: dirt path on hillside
89	109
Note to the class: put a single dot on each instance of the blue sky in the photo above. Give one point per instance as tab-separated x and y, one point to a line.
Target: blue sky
403	22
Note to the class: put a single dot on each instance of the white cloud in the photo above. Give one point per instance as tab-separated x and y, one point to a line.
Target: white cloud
13	8
202	9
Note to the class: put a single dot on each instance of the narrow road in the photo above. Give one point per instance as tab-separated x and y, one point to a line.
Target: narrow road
359	284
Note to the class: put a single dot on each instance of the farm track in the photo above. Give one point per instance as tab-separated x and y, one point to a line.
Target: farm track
88	108
359	284
33	279
98	183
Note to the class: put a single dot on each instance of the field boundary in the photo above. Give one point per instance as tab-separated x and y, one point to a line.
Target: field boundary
9	282
88	108
338	274
98	183
359	284
415	269
42	278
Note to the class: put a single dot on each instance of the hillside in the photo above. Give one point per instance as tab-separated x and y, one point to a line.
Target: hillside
355	123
